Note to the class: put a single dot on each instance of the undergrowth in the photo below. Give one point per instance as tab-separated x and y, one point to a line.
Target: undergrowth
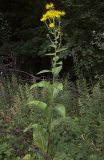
79	138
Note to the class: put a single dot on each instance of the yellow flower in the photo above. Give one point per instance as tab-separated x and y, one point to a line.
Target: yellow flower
51	13
50	6
51	25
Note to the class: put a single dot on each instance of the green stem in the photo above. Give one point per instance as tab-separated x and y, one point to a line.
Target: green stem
55	48
51	103
51	100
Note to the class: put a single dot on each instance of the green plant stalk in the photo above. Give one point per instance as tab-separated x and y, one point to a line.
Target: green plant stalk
54	65
43	142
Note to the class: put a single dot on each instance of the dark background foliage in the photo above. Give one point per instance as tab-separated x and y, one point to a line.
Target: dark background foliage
23	36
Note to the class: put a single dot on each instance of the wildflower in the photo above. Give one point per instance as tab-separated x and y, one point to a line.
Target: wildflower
51	25
51	13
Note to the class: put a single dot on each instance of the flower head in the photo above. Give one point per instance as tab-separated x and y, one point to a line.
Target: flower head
51	13
51	25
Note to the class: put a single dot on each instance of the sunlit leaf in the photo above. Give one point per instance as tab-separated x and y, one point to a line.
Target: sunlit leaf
41	84
39	104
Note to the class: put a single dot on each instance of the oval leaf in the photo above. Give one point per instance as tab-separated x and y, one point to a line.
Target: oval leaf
39	104
41	84
61	110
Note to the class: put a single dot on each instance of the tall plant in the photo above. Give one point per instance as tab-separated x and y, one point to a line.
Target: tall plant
42	132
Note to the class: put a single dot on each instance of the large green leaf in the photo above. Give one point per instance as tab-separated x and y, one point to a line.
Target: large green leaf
40	138
41	84
39	104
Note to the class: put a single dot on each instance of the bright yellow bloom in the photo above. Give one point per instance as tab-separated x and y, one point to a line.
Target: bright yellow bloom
51	13
51	25
50	6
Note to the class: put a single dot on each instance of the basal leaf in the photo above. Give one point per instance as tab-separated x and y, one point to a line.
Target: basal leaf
40	137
